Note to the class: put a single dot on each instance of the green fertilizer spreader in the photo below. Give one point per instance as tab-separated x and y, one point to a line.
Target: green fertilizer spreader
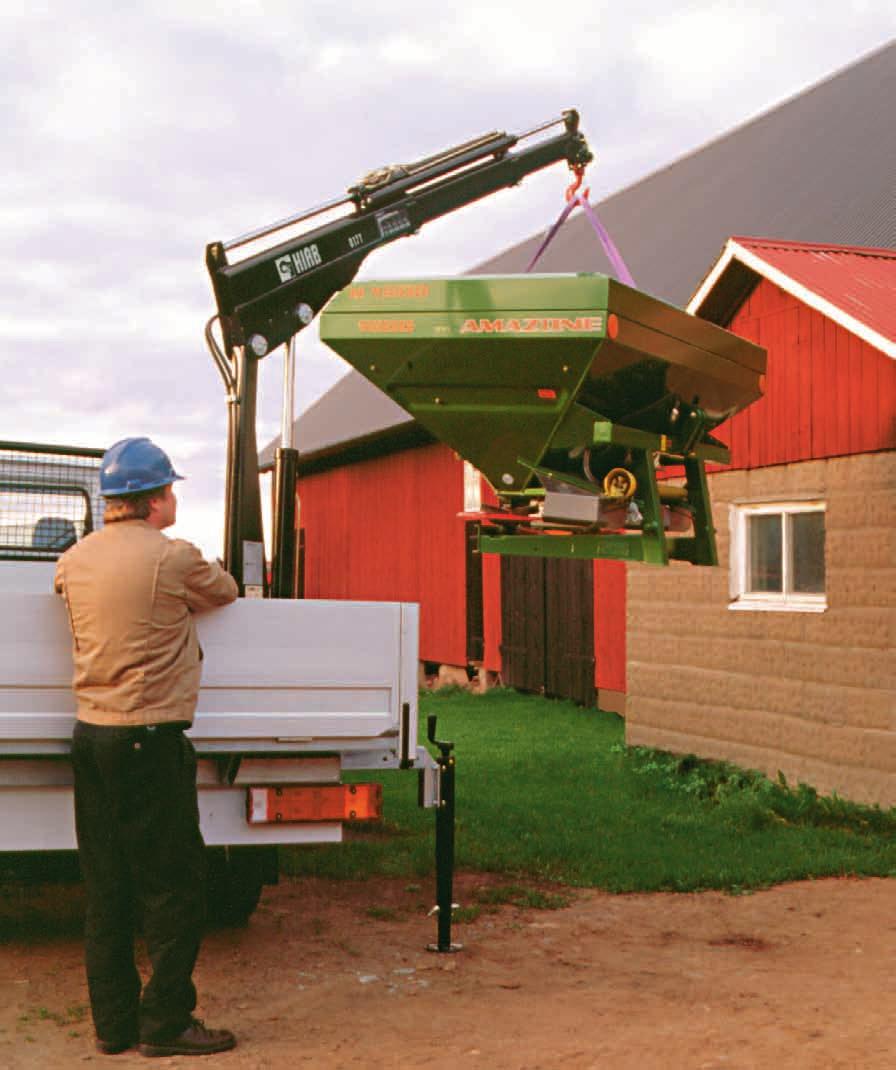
571	394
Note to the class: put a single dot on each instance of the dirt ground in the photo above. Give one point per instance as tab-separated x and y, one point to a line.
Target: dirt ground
336	975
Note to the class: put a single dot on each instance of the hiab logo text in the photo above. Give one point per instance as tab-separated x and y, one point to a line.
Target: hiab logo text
294	264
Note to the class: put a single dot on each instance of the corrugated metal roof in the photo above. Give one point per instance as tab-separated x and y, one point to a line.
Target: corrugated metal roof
818	168
853	286
351	409
859	282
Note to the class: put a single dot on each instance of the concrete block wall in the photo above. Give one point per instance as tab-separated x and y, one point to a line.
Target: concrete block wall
810	694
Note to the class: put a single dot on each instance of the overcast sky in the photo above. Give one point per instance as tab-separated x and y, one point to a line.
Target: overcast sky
134	137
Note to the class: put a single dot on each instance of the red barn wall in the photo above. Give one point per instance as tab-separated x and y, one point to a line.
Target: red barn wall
491	611
387	529
609	628
827	393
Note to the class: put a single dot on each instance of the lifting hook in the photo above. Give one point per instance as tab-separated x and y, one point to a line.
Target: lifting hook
572	191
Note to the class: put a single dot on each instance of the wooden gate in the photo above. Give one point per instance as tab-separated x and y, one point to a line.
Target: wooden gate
522	622
569	629
547	626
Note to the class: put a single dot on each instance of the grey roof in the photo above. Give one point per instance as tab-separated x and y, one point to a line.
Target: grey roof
820	167
352	409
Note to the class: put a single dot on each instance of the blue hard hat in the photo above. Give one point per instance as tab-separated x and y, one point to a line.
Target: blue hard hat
134	465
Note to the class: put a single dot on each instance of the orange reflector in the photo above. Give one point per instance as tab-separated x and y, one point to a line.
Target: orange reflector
314	802
547	394
612	325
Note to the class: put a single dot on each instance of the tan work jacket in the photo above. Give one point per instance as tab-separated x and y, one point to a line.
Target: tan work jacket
131	593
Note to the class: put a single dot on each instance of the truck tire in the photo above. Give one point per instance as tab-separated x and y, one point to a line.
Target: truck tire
234	881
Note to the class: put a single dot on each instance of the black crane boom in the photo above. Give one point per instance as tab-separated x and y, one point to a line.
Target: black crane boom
266	298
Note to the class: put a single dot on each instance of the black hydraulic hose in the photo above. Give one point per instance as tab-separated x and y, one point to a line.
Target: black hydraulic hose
218	356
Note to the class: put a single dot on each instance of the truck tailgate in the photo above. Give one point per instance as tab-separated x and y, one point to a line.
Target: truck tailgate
277	675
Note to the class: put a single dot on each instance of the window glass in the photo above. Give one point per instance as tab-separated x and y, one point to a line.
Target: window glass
808	552
766	568
34	518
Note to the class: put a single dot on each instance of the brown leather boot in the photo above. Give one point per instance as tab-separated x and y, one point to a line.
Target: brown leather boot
194	1040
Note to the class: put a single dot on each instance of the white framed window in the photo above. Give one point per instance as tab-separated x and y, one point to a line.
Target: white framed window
777	556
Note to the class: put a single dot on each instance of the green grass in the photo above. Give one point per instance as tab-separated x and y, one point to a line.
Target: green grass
72	1015
548	791
528	898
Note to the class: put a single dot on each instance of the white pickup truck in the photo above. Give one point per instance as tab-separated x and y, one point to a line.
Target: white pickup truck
293	693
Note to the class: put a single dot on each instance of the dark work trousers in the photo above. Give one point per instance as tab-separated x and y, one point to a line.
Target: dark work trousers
141	855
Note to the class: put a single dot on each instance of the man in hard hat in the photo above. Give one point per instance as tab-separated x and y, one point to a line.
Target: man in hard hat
131	593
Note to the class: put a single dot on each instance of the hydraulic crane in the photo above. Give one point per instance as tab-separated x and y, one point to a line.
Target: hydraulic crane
266	298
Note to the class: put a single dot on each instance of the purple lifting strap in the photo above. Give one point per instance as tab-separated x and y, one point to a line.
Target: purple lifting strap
613	255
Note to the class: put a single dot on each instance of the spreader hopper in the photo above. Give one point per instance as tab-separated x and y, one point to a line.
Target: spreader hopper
567	392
